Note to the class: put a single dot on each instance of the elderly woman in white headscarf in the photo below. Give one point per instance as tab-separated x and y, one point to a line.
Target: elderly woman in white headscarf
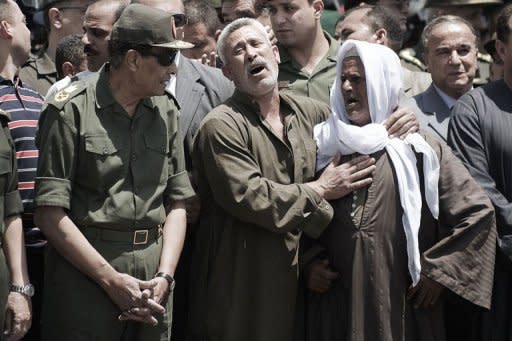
421	226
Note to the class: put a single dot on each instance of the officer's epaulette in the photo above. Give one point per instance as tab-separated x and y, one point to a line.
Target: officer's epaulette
484	57
63	96
410	56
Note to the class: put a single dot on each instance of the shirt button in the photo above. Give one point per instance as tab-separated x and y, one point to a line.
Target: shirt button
134	157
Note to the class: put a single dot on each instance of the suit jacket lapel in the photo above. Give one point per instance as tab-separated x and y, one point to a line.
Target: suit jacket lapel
188	93
434	103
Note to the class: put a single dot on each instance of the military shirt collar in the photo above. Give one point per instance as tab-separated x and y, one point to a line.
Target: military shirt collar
334	46
45	65
104	96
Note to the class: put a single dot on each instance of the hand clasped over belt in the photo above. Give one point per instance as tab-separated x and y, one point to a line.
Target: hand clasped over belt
136	237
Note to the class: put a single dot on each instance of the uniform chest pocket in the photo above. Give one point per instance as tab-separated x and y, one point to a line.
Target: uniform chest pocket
100	145
155	156
156	143
103	162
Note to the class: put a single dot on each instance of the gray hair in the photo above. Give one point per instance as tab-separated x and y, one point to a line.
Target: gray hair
234	26
445	19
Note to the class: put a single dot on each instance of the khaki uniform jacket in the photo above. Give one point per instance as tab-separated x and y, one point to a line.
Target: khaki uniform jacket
106	168
254	209
316	85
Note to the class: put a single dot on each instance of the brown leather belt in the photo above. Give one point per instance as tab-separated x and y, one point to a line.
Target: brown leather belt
136	237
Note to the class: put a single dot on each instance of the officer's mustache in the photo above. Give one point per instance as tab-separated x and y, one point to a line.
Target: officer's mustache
89	50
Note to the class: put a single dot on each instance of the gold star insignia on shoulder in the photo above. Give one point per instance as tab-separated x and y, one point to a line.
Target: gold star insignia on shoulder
61	96
64	93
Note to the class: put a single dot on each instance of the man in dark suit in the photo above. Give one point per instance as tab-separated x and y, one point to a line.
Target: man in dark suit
450	52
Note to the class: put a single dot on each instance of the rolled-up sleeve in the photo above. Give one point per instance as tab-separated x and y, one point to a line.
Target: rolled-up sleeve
178	181
57	142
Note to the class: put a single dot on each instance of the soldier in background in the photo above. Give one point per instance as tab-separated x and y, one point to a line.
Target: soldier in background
62	18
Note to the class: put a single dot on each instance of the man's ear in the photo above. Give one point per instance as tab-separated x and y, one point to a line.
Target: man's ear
318	6
132	59
275	49
68	69
381	36
5	30
55	18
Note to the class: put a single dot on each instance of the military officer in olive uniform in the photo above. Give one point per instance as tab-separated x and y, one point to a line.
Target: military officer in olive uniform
15	289
472	11
61	18
110	190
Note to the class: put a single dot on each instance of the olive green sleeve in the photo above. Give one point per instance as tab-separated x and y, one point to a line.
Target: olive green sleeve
57	142
237	184
178	182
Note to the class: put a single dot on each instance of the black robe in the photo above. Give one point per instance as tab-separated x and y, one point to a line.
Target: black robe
368	301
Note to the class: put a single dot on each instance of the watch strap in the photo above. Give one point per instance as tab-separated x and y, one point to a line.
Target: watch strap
170	280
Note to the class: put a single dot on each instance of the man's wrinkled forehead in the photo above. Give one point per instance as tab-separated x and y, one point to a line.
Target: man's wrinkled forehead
245	33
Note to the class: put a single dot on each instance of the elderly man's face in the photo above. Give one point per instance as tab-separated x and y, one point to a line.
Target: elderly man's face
251	61
353	89
451	58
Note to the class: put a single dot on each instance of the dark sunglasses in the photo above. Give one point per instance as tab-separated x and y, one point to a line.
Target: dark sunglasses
164	59
180	19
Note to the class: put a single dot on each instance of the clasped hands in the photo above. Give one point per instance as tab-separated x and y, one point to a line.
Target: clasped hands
138	300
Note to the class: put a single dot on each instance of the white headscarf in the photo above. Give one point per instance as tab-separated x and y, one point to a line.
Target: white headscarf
337	135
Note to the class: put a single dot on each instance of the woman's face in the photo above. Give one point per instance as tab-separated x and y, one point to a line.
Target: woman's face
353	89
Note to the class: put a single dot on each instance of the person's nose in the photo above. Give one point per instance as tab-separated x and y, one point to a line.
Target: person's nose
85	39
346	86
278	17
454	58
251	53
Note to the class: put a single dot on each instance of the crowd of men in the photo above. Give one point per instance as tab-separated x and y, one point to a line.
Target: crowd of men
241	170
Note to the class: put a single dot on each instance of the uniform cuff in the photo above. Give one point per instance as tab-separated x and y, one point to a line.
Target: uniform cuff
178	188
52	192
12	204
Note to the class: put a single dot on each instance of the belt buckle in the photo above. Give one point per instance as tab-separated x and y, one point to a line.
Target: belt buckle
140	233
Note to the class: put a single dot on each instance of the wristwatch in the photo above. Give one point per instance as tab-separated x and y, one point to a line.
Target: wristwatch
27	290
168	278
